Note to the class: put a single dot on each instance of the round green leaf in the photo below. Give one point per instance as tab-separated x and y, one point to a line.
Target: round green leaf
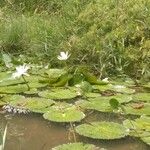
58	94
102	130
64	114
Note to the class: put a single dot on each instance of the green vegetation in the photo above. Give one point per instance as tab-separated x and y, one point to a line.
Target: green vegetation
75	57
110	37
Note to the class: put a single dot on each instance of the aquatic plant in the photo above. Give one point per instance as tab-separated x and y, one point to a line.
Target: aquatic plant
64	112
21	71
102	130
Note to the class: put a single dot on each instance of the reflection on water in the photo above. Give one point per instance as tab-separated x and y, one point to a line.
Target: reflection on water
32	132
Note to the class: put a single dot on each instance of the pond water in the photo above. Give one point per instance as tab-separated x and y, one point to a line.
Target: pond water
32	132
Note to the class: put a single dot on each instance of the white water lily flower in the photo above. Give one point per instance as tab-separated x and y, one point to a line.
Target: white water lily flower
21	70
63	56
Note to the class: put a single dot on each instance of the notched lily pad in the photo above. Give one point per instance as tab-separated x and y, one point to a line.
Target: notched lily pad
142	97
95	104
130	109
102	130
39	105
58	94
77	146
139	127
64	113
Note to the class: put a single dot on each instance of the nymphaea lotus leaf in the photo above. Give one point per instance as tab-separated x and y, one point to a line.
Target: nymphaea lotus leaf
52	75
95	104
8	98
122	89
7	80
20	88
117	88
143	110
14	89
92	95
34	104
64	113
139	127
58	94
77	146
141	97
102	130
146	139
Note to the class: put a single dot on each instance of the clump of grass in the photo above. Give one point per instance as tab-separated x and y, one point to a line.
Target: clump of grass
111	37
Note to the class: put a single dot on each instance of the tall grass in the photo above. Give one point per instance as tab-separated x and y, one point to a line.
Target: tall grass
110	36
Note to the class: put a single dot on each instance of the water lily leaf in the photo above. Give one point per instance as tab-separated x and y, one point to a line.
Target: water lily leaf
144	110
6	79
122	89
102	130
58	94
146	139
141	97
95	104
142	123
92	95
34	104
52	75
76	146
64	114
122	98
55	73
117	88
139	127
102	87
32	91
14	89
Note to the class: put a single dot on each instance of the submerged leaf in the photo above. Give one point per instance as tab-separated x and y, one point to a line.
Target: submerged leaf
76	146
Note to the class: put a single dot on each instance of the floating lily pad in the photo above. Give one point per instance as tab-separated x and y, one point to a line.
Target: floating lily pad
116	88
122	98
76	146
64	113
14	89
122	89
137	111
92	95
142	97
142	123
39	105
32	91
146	139
139	127
102	87
58	94
102	130
9	98
95	104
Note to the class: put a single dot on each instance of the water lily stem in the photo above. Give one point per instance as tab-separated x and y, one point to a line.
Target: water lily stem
26	82
73	132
